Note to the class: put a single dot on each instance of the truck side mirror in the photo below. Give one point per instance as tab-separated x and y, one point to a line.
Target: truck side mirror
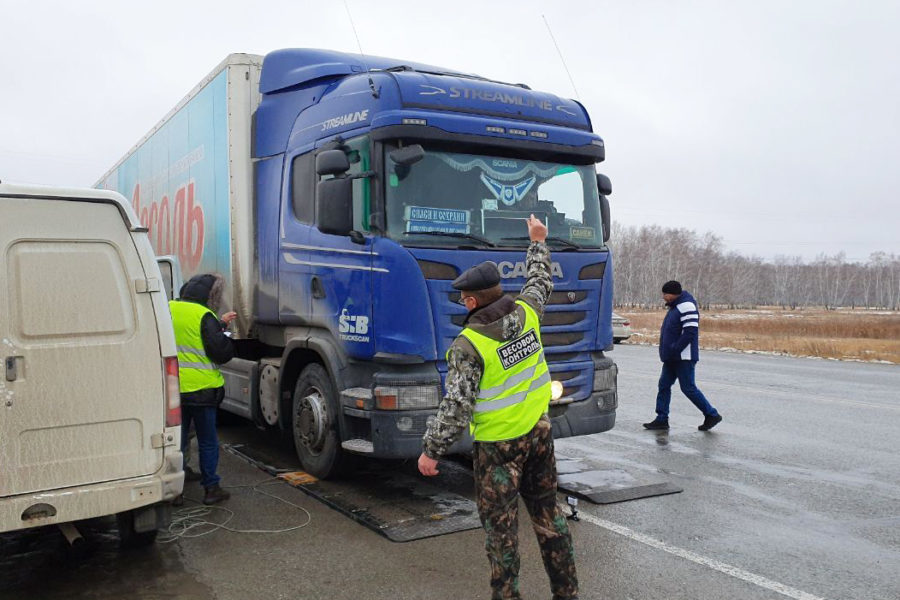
604	185
604	217
170	269
334	204
332	162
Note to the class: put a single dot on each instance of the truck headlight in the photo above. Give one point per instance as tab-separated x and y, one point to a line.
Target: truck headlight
605	379
407	397
556	390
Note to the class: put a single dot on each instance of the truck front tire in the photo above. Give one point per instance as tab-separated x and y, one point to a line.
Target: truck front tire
314	421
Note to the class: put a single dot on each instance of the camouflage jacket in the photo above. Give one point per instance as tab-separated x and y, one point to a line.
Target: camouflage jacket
500	320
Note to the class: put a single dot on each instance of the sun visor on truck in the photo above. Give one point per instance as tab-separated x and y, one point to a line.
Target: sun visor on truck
489	98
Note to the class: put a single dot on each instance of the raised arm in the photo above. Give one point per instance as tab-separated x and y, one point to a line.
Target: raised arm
539	284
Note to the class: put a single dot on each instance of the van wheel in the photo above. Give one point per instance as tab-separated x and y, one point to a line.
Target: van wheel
128	537
314	421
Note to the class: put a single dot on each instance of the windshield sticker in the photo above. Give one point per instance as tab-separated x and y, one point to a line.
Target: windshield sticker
425	218
489	204
415	226
508	194
581	233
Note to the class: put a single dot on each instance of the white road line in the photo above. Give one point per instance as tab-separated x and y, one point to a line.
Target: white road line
757	580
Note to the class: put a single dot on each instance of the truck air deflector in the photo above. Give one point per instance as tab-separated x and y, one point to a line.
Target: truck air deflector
295	66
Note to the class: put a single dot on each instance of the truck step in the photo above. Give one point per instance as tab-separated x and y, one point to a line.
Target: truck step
358	446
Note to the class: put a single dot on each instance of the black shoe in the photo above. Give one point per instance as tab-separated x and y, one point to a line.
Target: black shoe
660	424
191	475
710	422
215	494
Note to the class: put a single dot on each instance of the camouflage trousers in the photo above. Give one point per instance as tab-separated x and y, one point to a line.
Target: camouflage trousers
523	466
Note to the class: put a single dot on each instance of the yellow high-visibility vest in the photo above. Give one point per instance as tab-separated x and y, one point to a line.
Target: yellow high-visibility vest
195	370
515	387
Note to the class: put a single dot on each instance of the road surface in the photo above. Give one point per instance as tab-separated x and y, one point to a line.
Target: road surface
795	495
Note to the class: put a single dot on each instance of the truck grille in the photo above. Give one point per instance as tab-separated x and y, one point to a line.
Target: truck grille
561	339
553	317
561	357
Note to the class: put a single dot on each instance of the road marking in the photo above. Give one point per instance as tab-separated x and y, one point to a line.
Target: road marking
792	395
757	580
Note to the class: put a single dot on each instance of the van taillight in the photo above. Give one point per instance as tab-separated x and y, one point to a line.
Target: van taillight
173	396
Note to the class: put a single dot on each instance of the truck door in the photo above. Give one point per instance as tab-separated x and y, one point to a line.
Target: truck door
326	280
81	384
341	269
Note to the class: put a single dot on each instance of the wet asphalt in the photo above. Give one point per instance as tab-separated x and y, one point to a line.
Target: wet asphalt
796	494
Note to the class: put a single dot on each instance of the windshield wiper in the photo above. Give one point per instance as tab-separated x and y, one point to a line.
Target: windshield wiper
470	236
549	239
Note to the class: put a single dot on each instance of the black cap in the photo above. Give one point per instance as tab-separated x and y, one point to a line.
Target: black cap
480	277
197	288
671	287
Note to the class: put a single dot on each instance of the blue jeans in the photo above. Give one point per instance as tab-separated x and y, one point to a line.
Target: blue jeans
683	371
204	418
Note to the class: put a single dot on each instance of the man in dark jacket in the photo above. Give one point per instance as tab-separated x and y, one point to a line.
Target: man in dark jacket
202	345
679	351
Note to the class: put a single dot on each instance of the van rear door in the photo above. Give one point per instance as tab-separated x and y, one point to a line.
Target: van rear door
81	378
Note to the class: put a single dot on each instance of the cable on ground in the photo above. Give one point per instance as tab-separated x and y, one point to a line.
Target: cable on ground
192	521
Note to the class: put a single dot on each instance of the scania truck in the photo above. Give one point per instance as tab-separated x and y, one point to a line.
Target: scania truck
340	195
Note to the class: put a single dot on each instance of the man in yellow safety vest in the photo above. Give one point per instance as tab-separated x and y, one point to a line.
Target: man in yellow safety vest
202	345
498	383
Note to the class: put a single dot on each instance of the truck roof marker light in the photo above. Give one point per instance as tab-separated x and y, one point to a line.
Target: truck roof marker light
517	131
410	121
539	134
494	129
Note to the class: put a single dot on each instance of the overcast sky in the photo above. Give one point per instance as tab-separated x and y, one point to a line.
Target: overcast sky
775	125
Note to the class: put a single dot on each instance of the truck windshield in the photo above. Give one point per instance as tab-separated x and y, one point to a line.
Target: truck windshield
484	200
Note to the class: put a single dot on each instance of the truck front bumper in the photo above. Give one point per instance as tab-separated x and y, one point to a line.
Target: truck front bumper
398	434
594	415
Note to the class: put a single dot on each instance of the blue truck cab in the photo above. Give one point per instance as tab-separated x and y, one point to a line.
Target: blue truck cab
373	183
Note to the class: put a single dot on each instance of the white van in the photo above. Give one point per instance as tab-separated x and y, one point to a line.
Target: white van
91	419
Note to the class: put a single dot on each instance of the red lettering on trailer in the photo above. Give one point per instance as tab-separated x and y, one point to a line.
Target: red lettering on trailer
177	230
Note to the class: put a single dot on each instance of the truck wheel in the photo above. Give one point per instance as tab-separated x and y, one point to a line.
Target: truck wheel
128	537
314	422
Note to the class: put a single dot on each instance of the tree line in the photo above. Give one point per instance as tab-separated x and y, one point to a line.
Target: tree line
645	257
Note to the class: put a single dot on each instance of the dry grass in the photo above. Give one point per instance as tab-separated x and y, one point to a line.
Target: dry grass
843	334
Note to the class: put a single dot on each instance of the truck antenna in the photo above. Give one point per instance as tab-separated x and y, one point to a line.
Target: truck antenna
561	58
361	55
